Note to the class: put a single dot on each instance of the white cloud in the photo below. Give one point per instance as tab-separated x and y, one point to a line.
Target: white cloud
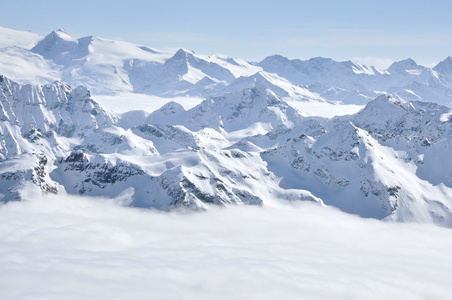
78	248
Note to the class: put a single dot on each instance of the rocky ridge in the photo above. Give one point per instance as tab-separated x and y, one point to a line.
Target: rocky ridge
249	147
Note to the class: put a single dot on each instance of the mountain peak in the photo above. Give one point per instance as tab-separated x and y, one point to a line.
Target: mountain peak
183	52
55	42
275	58
444	66
320	59
62	33
181	55
382	105
388	98
406	64
59	34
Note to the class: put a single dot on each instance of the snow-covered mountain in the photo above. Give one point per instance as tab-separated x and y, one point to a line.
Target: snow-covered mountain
109	67
113	67
387	155
389	161
350	82
61	140
445	67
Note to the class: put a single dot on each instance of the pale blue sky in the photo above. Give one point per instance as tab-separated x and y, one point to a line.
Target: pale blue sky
374	31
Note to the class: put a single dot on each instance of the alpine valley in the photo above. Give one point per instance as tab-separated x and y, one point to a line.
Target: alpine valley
251	138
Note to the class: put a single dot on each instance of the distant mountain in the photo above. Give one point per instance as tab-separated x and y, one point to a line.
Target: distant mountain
112	67
389	161
186	73
445	67
350	82
316	70
108	67
94	62
233	111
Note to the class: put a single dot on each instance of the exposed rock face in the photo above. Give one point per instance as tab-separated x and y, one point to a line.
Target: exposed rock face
73	145
381	156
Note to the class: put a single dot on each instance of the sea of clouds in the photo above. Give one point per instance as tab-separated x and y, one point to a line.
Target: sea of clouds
67	247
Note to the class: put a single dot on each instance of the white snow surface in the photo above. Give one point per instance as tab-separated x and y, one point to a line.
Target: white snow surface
18	38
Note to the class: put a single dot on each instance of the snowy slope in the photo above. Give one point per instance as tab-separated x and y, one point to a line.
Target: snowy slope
257	107
39	124
380	156
109	67
18	62
389	161
279	85
94	62
61	140
445	67
350	82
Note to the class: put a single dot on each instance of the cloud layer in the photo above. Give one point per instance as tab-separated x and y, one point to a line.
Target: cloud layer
64	247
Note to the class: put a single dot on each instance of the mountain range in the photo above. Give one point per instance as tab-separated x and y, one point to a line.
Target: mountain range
244	144
110	67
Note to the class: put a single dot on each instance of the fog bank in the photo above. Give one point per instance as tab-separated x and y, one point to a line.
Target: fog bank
64	247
